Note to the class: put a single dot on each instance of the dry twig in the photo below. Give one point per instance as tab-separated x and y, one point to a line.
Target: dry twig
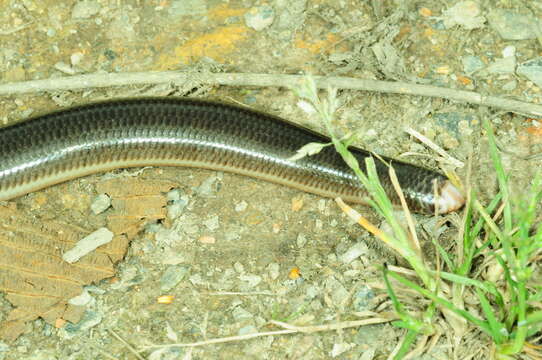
289	329
100	80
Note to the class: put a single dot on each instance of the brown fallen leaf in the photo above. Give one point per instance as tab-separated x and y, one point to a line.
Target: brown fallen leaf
135	202
37	282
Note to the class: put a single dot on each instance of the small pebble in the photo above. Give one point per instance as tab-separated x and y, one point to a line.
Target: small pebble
65	68
532	70
336	291
174	210
471	64
179	8
465	14
85	9
340	348
274	270
241	206
172	276
87	244
251	280
89	320
174	195
512	25
505	65
510	85
207	239
297	203
354	252
240	314
76	58
81	300
258	18
238	267
249	329
101	203
212	223
362	298
170	333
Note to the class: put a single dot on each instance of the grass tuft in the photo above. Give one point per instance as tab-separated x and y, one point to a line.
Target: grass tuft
503	237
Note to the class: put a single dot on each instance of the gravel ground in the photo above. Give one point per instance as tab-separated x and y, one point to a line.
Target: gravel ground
236	253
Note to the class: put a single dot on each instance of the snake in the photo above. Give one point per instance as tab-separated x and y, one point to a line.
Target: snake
102	136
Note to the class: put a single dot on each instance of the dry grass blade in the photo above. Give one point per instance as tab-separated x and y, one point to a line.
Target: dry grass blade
288	329
450	159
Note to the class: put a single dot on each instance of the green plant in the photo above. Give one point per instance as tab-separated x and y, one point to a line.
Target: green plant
503	236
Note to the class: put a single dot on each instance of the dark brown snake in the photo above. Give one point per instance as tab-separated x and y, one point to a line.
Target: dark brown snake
98	137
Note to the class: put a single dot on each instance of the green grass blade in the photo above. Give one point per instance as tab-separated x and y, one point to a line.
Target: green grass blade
498	330
443	302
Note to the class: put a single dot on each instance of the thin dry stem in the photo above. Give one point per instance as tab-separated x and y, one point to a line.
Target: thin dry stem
128	346
288	329
101	80
450	159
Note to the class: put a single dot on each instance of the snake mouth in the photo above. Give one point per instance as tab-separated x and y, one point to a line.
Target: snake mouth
450	199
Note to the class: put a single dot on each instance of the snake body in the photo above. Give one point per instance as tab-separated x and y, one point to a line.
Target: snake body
98	137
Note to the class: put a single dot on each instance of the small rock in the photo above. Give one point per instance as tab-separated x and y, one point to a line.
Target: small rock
85	9
448	141
514	26
198	280
208	187
81	300
87	244
240	314
362	299
65	68
510	50
465	14
510	86
175	210
89	320
505	65
174	195
336	291
76	58
242	206
166	236
472	64
170	333
4	348
207	239
249	329
187	7
297	203
212	223
338	349
238	267
274	270
252	280
130	275
173	276
354	252
260	17
532	70
370	135
101	203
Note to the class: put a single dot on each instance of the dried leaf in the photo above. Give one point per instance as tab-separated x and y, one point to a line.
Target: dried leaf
35	278
308	149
